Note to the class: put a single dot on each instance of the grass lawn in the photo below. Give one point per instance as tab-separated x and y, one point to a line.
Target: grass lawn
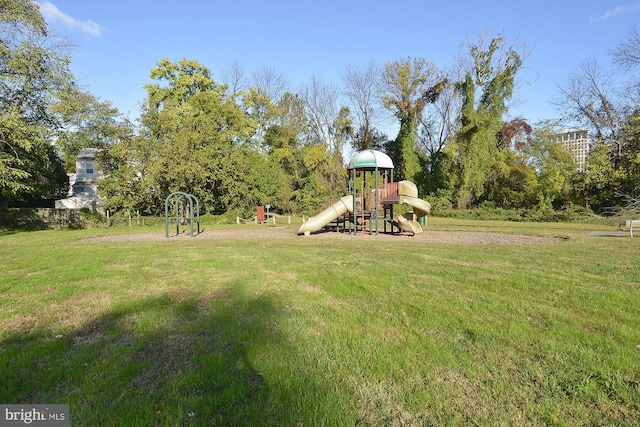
321	332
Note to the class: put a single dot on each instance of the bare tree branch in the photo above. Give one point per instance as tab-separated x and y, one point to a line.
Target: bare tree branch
627	53
588	96
361	89
234	76
274	83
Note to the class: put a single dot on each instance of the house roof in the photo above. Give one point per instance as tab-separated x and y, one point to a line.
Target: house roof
87	153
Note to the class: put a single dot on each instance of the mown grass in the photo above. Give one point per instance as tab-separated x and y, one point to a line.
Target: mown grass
311	332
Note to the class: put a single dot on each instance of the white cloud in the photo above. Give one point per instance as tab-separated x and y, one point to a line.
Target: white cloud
619	11
52	14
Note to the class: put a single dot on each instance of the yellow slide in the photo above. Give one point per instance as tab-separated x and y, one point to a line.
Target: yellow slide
408	195
316	222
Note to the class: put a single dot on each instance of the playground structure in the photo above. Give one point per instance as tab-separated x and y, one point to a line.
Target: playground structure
182	212
370	204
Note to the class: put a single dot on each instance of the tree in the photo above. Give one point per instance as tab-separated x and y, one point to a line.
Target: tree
86	122
485	88
260	101
283	151
249	179
627	56
273	83
407	86
513	181
627	53
630	157
329	128
588	97
235	78
125	185
192	137
284	138
439	123
555	166
259	108
599	98
283	141
361	89
34	70
597	186
320	100
515	134
292	114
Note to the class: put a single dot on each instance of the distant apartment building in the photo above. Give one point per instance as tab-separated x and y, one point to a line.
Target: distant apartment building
578	143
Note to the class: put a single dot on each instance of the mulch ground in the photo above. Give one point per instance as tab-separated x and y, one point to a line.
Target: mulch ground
266	232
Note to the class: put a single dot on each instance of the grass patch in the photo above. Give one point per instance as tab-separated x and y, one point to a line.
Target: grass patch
321	332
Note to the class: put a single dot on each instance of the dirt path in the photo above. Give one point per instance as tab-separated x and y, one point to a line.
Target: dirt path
429	236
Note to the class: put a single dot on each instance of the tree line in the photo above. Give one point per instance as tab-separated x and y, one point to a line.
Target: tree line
251	139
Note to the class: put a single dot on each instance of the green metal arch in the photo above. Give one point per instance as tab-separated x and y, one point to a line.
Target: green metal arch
191	199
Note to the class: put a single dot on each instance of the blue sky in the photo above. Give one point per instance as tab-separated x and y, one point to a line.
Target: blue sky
119	42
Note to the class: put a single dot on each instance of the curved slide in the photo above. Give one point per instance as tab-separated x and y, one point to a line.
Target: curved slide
409	221
316	222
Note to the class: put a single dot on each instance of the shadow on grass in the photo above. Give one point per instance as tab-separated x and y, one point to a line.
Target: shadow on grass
166	360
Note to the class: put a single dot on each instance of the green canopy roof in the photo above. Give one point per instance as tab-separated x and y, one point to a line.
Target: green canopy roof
371	159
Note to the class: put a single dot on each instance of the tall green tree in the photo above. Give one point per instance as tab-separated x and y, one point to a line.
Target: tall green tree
86	122
485	88
630	161
194	137
408	85
284	151
597	186
124	185
34	70
555	167
262	110
285	141
284	138
196	127
513	181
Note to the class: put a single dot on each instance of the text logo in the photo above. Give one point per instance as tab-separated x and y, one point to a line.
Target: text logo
34	415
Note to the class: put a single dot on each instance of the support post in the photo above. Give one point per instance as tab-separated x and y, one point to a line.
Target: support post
376	209
355	212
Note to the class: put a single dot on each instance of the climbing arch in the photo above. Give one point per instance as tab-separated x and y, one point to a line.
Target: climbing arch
178	199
